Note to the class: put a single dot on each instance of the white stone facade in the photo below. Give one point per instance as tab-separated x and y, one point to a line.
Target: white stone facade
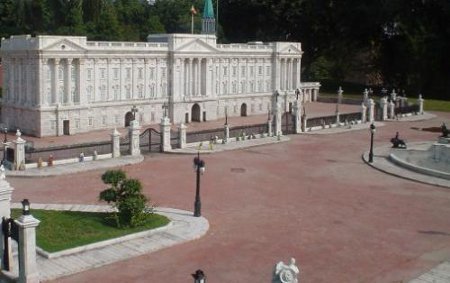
55	85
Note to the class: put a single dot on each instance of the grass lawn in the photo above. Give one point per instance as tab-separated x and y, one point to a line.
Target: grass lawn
60	230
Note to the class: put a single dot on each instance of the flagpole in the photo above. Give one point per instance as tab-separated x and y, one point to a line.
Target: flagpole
217	17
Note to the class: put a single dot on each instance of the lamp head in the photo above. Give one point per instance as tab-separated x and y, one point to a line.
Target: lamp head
26	207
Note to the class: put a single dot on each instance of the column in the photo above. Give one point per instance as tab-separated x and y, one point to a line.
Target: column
371	108
165	134
199	78
277	114
115	142
298	115
391	110
226	136
190	76
182	136
363	113
19	152
383	105
68	91
28	270
133	133
55	98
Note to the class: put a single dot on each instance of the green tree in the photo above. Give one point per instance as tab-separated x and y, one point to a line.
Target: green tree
126	196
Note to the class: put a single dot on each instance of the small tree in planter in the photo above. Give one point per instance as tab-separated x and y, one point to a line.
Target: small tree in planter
126	195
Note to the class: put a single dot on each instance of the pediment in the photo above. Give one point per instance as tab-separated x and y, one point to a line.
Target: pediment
64	45
197	46
291	49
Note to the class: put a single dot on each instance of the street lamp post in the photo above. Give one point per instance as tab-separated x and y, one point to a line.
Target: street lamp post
134	110
372	132
5	131
199	276
199	167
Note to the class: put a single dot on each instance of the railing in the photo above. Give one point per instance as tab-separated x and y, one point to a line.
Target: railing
407	109
320	121
205	135
248	129
343	101
67	151
117	44
356	116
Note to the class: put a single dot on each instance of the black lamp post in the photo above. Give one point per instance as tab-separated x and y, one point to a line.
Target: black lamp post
26	207
5	131
199	167
134	110
226	115
372	132
199	276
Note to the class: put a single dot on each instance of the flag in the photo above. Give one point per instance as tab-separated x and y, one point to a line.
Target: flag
193	11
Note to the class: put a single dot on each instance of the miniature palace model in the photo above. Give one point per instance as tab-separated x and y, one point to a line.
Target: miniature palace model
56	85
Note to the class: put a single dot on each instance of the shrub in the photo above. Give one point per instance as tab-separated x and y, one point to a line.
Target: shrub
126	195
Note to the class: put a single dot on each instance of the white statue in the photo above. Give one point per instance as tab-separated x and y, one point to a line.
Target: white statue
286	273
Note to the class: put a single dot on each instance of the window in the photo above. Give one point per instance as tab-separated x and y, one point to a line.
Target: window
128	91
163	72
225	71
73	74
234	71
89	93
268	70
260	70
102	73
117	119
77	123
89	74
140	73
53	124
128	74
116	93
61	73
153	116
104	120
90	121
152	73
116	73
252	70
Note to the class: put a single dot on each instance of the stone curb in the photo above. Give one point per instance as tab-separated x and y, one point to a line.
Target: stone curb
65	169
381	163
184	227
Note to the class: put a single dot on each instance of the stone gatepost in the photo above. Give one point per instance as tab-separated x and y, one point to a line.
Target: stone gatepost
165	134
226	136
5	208
19	152
133	132
298	118
277	114
182	136
371	109
304	121
28	270
384	110
420	101
269	126
391	110
363	113
115	141
366	97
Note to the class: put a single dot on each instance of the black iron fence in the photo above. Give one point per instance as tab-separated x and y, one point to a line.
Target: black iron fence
67	151
355	116
407	109
351	101
320	121
248	130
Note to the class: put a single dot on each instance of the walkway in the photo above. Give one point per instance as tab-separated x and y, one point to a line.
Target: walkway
182	228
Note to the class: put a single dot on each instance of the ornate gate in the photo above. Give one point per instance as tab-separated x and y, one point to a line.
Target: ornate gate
150	140
288	123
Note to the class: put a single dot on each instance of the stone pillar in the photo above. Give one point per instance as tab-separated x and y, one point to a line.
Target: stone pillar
371	108
28	270
165	134
226	137
298	115
420	101
277	114
269	126
133	133
391	110
5	208
115	141
366	97
384	110
182	136
19	152
363	113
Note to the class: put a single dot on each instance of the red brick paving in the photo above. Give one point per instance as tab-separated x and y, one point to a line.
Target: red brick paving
311	198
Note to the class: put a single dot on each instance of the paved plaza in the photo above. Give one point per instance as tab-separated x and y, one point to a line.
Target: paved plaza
311	197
